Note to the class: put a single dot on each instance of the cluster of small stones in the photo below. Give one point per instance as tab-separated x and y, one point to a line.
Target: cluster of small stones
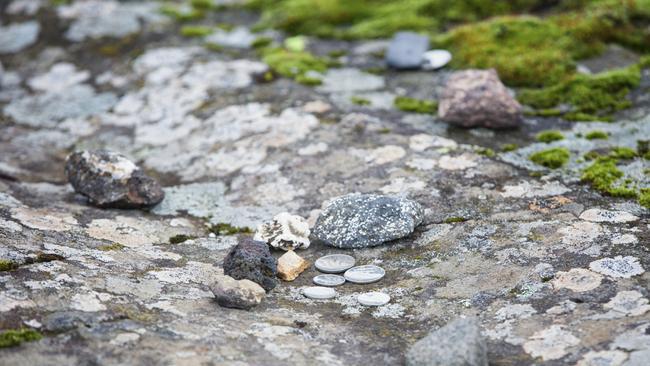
538	268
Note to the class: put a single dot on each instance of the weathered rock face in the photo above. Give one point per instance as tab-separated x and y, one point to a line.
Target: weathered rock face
253	261
109	179
458	343
242	294
366	220
285	231
406	49
477	98
291	265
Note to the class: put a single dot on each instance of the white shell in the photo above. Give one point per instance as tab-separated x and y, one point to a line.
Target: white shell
334	263
373	299
329	280
319	292
435	59
285	231
364	274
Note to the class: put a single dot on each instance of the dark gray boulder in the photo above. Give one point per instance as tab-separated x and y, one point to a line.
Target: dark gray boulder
109	179
253	261
366	220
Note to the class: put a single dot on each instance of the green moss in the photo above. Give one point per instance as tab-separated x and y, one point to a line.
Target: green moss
109	247
384	130
337	53
593	97
416	105
227	229
453	219
261	42
487	152
644	198
182	13
549	136
360	100
293	64
551	158
7	265
509	147
180	238
603	176
202	4
14	337
196	31
308	80
622	152
597	135
643	147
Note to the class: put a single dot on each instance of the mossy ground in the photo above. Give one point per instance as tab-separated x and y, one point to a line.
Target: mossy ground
551	158
416	105
14	337
549	136
7	265
296	64
227	229
596	135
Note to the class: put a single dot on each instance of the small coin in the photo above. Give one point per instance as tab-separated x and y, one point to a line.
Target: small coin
334	263
373	299
329	280
319	292
364	274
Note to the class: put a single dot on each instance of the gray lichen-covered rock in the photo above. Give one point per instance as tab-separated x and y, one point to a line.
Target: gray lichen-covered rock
109	179
366	220
458	343
238	294
477	98
406	49
252	260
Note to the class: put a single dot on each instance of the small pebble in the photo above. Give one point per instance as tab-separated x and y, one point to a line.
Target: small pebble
334	263
373	299
364	274
435	59
329	280
319	293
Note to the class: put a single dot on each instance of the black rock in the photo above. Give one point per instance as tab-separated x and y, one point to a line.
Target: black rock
252	260
366	220
109	179
406	50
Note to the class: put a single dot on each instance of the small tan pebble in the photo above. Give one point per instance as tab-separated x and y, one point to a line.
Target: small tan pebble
291	265
317	106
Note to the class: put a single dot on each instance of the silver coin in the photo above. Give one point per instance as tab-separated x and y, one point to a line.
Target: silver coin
329	280
373	299
364	274
319	292
334	263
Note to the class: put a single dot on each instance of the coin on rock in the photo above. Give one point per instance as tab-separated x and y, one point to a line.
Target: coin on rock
319	292
334	263
329	280
373	299
364	274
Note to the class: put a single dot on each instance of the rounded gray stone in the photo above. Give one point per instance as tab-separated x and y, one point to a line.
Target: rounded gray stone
319	292
364	274
334	263
330	280
373	299
436	59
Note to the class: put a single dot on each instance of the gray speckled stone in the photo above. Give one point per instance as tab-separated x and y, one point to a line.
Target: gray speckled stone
459	343
366	220
406	49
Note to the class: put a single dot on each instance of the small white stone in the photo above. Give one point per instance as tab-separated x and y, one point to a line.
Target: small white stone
319	292
364	274
285	231
330	280
373	299
435	59
334	263
598	215
618	267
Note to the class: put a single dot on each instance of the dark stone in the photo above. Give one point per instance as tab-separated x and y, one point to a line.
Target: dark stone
459	343
253	261
406	49
477	98
109	179
366	220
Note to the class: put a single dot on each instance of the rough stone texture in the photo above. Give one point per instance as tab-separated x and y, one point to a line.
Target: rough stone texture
458	343
285	231
366	220
242	294
477	98
109	179
252	260
291	265
406	50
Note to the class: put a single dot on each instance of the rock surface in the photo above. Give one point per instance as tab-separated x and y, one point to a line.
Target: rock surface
477	98
459	343
285	231
253	261
291	265
406	49
109	179
238	294
366	220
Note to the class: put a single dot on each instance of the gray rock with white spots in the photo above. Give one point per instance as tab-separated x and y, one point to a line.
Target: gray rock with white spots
406	49
366	220
458	343
109	179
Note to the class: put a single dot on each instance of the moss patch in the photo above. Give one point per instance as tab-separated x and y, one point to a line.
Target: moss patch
551	158
360	100
14	337
451	220
644	198
196	31
416	105
109	247
7	265
509	147
180	238
597	135
603	176
227	229
182	13
622	152
549	136
295	65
